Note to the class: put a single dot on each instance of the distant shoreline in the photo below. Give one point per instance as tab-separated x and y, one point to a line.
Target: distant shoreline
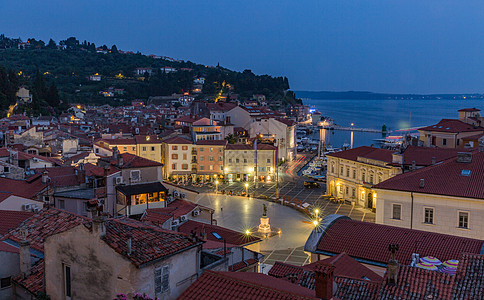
357	95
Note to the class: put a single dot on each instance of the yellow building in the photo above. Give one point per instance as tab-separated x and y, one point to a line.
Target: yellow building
451	133
179	158
351	174
149	147
124	145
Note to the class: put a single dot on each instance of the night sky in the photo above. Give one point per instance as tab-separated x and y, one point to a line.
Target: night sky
399	46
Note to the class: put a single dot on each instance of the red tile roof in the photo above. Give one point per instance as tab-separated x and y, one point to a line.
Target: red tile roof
43	224
366	152
245	285
443	179
469	109
156	216
468	279
11	219
417	283
452	125
186	119
174	210
93	170
63	176
177	140
113	142
369	242
348	267
134	161
148	243
147	139
230	236
356	289
242	264
23	188
423	155
354	280
250	147
34	282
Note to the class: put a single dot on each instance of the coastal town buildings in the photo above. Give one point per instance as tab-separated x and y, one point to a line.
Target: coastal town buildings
179	158
444	198
351	174
245	163
451	133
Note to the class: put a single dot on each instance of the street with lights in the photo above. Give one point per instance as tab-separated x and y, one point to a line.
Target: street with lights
238	206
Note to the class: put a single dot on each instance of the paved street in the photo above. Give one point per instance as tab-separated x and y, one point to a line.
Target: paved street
241	212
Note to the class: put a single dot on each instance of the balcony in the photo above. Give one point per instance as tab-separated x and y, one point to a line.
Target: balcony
194	151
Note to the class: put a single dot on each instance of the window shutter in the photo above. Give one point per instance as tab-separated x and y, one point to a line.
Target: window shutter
158	281
166	278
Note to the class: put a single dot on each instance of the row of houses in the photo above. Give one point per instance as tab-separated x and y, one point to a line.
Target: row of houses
435	188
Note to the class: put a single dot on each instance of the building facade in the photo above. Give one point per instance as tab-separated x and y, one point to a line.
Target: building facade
351	174
179	158
244	163
210	159
445	198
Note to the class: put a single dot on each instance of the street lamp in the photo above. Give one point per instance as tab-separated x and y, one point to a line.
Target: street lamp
247	189
216	186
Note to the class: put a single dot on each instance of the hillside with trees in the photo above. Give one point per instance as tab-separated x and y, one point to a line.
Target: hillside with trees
59	73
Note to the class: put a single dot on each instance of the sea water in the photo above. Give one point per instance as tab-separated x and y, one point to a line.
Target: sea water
395	114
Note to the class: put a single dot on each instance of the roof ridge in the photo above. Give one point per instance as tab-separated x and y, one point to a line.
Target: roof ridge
253	284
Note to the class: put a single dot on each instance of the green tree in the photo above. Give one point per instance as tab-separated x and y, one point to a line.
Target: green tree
53	96
51	44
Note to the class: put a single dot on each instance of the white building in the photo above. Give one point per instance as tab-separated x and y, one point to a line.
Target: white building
445	198
282	131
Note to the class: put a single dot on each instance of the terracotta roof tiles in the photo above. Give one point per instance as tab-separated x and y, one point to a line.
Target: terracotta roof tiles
453	126
11	219
246	285
148	243
34	282
369	242
45	223
446	178
177	140
230	236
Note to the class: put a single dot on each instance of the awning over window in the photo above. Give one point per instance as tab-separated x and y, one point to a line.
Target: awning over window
143	188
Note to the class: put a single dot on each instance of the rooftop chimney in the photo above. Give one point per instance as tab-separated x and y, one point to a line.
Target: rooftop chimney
421	184
45	177
120	161
115	153
324	281
414	165
24	251
129	246
434	160
392	269
99	226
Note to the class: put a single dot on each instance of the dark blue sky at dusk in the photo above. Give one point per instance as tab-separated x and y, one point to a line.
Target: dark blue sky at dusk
400	46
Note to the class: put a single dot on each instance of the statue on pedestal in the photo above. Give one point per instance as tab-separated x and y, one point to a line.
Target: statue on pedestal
265	210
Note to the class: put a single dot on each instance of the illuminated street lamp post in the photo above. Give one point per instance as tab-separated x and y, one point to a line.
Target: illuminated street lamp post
247	189
216	186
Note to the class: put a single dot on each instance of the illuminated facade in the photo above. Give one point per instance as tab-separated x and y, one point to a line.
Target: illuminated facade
351	174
